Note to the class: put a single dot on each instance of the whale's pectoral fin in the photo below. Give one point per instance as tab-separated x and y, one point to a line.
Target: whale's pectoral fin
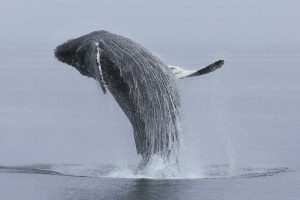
183	73
98	69
91	54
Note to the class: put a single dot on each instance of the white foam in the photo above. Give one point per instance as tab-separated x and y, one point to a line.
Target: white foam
158	169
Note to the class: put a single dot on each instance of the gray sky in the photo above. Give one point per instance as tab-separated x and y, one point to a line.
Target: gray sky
228	22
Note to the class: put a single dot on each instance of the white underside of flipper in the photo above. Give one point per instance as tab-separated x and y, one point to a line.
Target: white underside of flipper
180	72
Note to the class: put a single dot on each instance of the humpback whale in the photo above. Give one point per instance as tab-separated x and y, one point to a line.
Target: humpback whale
143	86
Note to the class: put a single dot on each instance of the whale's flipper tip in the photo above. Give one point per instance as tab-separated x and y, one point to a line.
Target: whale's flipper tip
180	72
210	68
220	63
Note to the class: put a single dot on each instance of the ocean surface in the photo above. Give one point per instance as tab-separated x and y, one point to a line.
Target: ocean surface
40	182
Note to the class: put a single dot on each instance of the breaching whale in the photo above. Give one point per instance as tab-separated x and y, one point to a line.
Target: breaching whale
144	87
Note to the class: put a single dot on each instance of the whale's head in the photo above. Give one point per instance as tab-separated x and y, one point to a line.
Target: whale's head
77	53
82	53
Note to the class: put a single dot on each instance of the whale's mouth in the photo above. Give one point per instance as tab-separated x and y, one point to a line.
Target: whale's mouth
66	53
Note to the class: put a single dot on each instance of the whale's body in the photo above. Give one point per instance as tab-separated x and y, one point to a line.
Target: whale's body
144	87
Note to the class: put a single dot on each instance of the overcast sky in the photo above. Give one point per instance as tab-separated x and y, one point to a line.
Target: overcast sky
228	22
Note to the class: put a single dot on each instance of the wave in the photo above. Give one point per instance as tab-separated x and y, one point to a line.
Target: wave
219	171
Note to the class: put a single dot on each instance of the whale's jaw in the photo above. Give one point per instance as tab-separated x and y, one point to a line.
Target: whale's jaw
68	53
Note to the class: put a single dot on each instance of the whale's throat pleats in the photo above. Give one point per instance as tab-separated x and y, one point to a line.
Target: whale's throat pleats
147	92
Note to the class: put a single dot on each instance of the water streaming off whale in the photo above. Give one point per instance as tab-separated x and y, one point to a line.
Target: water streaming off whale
154	95
143	86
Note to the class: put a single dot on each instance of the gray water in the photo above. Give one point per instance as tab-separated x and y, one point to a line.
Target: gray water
61	138
24	186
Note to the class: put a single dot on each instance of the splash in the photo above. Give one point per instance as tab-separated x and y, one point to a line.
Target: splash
156	171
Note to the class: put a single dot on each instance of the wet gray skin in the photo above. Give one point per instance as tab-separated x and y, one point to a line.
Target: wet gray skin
143	86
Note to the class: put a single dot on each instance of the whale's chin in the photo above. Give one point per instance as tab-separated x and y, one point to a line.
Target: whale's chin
67	55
